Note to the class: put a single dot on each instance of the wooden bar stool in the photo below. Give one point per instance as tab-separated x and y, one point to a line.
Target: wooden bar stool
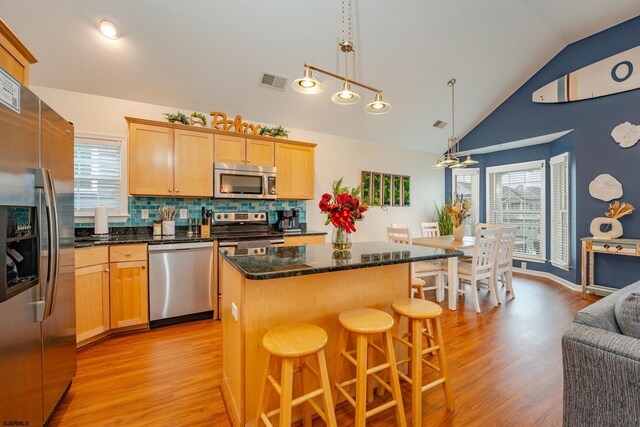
419	312
364	322
291	342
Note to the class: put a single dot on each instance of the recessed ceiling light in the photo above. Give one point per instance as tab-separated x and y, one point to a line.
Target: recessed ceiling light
108	29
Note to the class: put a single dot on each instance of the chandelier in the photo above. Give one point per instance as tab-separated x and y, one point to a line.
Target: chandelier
308	84
451	157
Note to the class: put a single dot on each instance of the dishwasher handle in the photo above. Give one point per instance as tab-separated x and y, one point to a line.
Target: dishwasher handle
180	247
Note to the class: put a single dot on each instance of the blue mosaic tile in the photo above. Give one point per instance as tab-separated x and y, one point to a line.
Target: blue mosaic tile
193	206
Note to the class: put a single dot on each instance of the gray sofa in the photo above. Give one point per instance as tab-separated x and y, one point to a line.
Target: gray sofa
601	368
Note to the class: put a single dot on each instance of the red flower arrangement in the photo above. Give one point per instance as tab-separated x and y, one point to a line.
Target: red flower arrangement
343	209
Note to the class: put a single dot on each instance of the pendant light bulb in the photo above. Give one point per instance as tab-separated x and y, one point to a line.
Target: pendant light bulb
345	96
439	165
378	106
308	84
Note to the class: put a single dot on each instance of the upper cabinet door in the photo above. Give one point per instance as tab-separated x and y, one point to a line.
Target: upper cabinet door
150	160
193	164
260	153
295	171
229	149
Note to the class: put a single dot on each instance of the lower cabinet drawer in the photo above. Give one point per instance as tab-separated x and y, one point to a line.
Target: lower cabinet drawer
123	253
317	239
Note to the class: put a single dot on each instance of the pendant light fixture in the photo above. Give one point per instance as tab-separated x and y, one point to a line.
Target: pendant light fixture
310	85
451	157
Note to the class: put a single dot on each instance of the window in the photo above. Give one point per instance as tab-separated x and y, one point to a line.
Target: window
99	174
560	210
515	197
466	182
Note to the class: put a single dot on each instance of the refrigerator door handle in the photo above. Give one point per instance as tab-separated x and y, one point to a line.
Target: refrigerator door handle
44	180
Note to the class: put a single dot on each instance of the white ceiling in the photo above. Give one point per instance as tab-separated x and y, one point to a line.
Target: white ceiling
209	55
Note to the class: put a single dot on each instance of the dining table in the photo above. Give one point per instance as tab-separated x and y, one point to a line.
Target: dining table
465	245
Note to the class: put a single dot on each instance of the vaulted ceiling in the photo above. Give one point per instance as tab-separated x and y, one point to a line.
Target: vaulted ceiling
209	55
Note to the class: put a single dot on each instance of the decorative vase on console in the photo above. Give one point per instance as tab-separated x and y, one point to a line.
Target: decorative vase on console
458	209
612	225
343	209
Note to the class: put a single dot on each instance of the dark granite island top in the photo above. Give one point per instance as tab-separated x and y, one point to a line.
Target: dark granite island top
302	260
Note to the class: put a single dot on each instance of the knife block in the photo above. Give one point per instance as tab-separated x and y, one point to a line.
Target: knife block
205	230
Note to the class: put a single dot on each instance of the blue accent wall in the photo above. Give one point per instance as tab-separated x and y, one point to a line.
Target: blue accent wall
592	149
194	206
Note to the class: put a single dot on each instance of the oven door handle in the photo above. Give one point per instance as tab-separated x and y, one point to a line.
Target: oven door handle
276	242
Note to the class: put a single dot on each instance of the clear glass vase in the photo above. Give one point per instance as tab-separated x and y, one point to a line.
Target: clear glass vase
340	239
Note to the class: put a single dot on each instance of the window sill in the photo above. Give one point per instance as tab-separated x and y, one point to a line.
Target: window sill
536	260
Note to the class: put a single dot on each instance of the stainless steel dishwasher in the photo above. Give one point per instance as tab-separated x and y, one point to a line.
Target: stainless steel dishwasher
181	285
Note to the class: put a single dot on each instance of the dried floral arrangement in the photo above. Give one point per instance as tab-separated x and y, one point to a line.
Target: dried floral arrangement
458	209
617	210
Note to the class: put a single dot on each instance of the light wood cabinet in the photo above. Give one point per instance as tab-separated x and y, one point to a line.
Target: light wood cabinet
168	162
304	240
170	159
193	163
295	171
229	149
150	160
233	149
128	287
92	294
260	153
14	56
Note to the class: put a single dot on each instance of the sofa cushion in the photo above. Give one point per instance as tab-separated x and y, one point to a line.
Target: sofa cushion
602	314
627	312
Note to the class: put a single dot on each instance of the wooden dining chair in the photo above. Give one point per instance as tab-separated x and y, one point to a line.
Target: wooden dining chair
482	265
430	229
504	262
420	269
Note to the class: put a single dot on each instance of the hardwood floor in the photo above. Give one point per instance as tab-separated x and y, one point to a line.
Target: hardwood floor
506	369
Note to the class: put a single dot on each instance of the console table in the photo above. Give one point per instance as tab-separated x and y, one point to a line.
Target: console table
592	245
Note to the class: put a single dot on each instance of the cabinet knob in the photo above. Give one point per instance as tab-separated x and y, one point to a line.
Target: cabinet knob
143	267
170	189
106	270
128	254
177	191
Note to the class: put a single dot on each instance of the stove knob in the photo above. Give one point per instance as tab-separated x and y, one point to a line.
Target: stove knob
255	251
256	215
226	216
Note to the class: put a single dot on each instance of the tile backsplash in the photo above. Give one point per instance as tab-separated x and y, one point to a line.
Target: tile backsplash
136	204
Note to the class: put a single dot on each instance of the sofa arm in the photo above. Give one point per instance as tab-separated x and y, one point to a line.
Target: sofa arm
601	377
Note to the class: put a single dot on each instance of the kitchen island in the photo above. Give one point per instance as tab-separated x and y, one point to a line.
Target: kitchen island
301	284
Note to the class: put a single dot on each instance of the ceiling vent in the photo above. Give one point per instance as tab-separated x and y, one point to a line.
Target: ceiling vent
439	124
273	81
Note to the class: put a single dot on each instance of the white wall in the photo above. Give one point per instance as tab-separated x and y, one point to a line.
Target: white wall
335	157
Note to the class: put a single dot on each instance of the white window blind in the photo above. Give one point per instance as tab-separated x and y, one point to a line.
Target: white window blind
98	175
466	182
560	210
516	197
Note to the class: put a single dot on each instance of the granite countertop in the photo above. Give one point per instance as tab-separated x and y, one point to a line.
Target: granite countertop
90	241
302	260
128	235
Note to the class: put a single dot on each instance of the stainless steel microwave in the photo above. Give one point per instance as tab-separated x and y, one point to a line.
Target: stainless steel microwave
240	181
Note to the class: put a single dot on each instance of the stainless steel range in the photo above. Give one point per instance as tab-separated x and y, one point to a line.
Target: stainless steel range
243	233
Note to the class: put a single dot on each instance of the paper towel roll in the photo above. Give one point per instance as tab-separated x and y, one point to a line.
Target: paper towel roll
101	225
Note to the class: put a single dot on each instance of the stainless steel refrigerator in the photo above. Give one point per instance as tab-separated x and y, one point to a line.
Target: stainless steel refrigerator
37	293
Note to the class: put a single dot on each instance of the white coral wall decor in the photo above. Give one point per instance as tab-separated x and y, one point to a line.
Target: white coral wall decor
605	187
626	134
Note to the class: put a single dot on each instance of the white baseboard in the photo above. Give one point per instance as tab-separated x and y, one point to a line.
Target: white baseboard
546	275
